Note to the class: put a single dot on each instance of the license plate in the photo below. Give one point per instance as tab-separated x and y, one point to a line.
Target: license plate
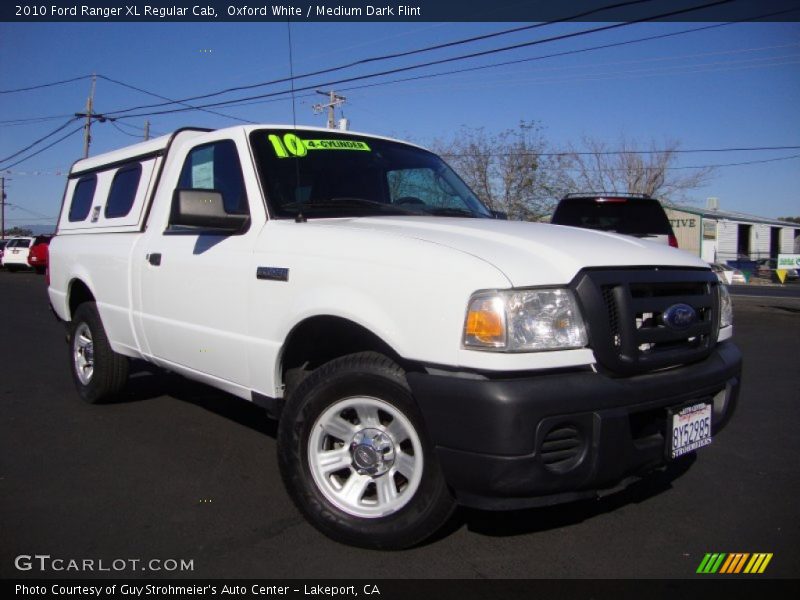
689	429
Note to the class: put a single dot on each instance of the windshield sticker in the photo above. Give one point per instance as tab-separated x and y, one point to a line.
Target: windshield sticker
291	145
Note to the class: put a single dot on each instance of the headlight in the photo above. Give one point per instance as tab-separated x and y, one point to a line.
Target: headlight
524	320
725	307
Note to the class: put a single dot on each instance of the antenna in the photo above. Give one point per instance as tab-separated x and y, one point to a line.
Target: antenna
291	72
299	217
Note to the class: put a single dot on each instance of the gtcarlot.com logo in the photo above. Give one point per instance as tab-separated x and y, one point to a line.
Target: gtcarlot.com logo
734	563
46	563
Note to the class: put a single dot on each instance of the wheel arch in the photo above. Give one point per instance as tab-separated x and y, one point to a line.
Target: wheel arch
78	292
321	338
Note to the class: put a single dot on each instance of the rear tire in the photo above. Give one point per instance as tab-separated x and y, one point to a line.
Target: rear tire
356	459
99	373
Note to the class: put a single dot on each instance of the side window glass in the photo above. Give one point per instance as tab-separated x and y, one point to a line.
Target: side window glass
216	167
82	198
123	191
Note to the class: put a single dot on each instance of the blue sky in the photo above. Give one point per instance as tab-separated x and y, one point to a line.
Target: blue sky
733	86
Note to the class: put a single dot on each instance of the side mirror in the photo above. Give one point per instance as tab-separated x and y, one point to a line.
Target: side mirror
499	214
204	209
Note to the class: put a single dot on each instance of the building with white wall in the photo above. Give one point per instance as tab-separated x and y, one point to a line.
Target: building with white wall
719	236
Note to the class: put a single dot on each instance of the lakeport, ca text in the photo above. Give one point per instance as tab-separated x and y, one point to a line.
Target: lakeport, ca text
62	589
165	12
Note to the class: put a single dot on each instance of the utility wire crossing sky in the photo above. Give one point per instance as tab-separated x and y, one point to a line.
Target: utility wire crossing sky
743	107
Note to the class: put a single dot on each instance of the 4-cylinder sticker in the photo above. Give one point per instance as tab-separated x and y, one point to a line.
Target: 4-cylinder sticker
734	563
291	145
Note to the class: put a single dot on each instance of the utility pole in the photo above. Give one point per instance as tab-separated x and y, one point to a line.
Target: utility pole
89	115
146	130
334	100
87	128
2	208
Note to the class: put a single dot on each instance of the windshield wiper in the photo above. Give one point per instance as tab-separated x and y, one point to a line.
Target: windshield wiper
352	201
451	212
348	204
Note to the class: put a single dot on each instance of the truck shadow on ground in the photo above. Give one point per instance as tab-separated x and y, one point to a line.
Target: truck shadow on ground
789	309
534	520
148	382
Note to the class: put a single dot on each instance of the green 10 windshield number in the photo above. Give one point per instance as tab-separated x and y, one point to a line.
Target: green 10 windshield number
291	145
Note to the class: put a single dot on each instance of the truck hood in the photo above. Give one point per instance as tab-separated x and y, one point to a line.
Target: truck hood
527	253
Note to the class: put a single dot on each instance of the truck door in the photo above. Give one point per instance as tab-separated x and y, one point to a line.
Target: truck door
194	311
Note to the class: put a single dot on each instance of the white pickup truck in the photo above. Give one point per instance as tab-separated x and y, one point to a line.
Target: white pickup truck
418	351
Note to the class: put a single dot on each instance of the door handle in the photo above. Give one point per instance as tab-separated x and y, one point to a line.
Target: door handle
154	259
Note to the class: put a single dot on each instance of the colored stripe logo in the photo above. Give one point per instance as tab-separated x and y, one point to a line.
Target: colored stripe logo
734	563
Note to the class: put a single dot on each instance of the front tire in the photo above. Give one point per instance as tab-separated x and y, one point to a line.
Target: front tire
355	457
99	373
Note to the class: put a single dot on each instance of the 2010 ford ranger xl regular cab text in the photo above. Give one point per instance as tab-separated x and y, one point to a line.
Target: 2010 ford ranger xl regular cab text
418	352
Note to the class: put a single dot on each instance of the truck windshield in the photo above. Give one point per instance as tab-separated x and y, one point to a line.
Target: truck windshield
323	174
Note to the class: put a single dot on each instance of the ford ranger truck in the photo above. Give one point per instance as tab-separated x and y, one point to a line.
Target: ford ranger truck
418	352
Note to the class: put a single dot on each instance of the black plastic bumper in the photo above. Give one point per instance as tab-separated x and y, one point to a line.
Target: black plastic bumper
552	437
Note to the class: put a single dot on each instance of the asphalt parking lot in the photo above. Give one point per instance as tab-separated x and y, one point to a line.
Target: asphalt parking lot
177	470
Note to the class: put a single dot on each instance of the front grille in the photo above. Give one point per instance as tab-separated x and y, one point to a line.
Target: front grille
625	312
613	315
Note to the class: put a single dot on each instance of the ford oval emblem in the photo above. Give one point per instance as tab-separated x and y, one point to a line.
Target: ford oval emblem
679	316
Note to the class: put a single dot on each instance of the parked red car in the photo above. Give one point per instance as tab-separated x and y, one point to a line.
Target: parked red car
39	253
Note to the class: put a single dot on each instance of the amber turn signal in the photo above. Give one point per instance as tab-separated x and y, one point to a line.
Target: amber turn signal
486	323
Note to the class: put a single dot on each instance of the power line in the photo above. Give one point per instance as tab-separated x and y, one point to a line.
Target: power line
122	131
41	139
536	58
610	152
667	151
27	210
31	120
137	128
678	56
28	219
423	65
261	99
623	170
59	140
715	166
558	54
432	63
170	101
57	172
739	164
688	69
395	55
45	85
243	101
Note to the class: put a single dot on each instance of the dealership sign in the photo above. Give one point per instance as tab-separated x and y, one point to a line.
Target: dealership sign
785	263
